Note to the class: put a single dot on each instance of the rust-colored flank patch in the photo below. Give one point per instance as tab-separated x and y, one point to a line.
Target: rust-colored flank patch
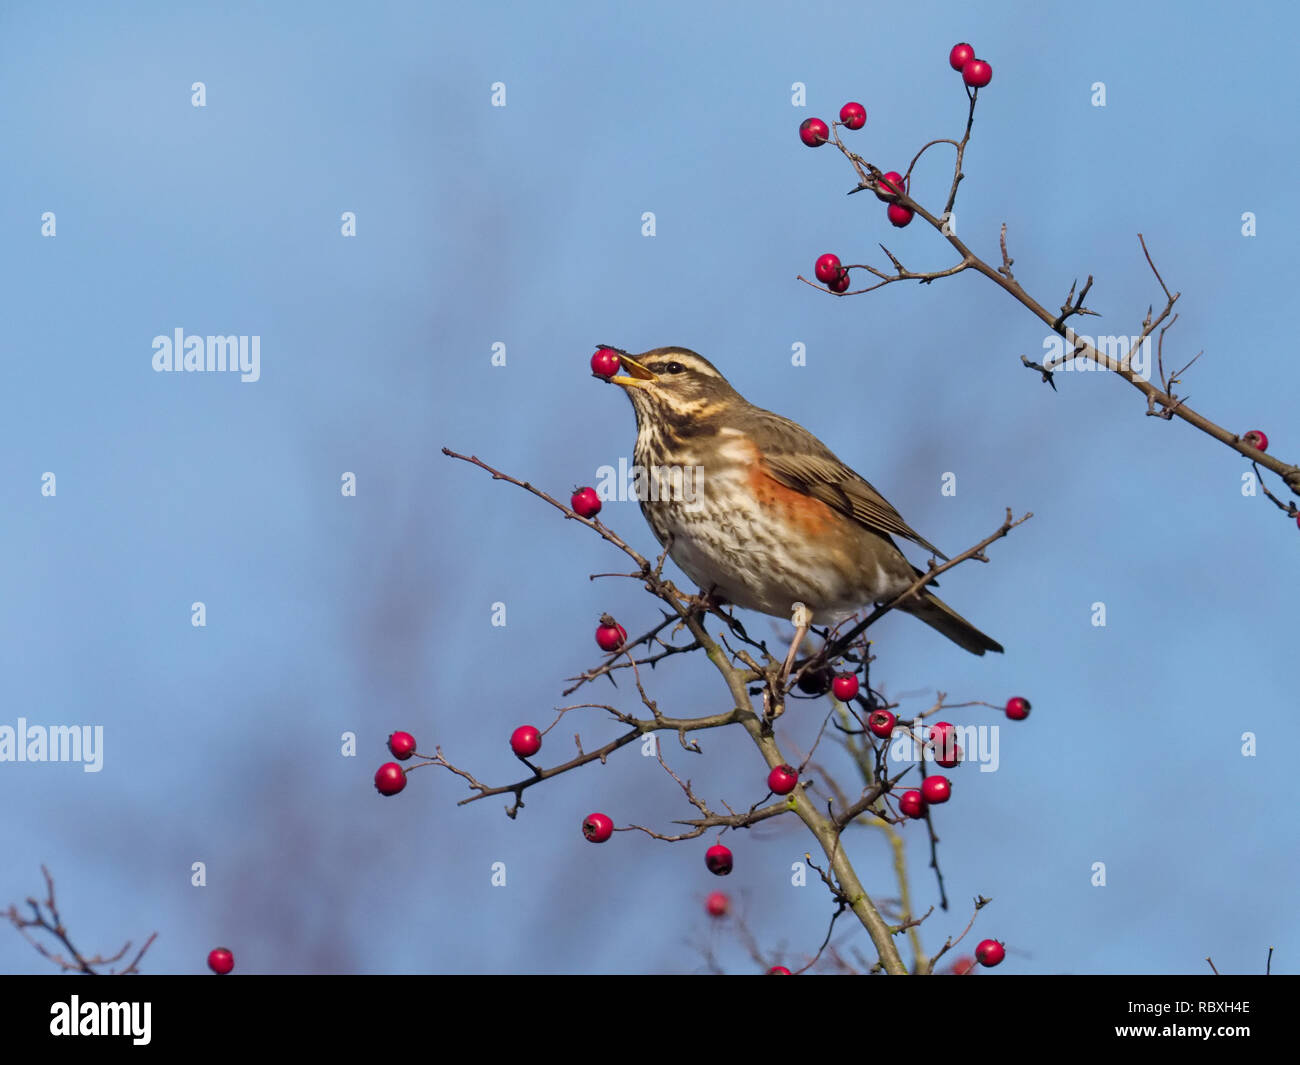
810	515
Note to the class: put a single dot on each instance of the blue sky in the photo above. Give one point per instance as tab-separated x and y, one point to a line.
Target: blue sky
521	225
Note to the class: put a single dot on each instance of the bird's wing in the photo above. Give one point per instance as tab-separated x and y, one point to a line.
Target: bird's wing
800	461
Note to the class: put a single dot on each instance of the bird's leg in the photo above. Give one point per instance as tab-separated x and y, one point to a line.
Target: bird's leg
802	618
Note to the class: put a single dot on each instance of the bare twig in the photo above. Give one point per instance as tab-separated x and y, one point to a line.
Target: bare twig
46	918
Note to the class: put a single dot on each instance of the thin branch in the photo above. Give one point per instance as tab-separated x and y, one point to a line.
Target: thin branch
46	918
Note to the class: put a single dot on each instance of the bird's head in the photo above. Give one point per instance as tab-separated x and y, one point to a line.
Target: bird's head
674	386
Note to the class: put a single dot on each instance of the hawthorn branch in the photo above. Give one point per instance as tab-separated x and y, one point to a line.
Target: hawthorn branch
638	728
700	825
949	943
46	918
1161	400
1073	305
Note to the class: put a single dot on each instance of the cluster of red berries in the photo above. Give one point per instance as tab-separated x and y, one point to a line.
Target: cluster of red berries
891	185
943	740
934	790
814	132
832	273
828	268
974	72
390	778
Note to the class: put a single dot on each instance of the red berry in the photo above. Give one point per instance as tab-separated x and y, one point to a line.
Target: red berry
390	778
889	184
936	789
960	55
402	745
814	132
990	952
585	502
912	803
597	828
853	115
717	904
827	268
881	723
718	858
525	741
221	961
1257	439
1017	708
841	283
783	779
977	73
778	970
845	687
943	738
899	215
605	363
962	965
610	635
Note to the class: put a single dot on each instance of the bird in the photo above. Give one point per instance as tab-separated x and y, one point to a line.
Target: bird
757	511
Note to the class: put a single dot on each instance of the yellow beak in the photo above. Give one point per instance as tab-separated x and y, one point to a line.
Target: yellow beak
640	375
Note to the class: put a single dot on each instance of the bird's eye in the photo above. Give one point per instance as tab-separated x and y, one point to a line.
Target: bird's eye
674	367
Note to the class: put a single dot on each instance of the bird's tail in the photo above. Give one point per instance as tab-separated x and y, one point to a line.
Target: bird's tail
939	615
